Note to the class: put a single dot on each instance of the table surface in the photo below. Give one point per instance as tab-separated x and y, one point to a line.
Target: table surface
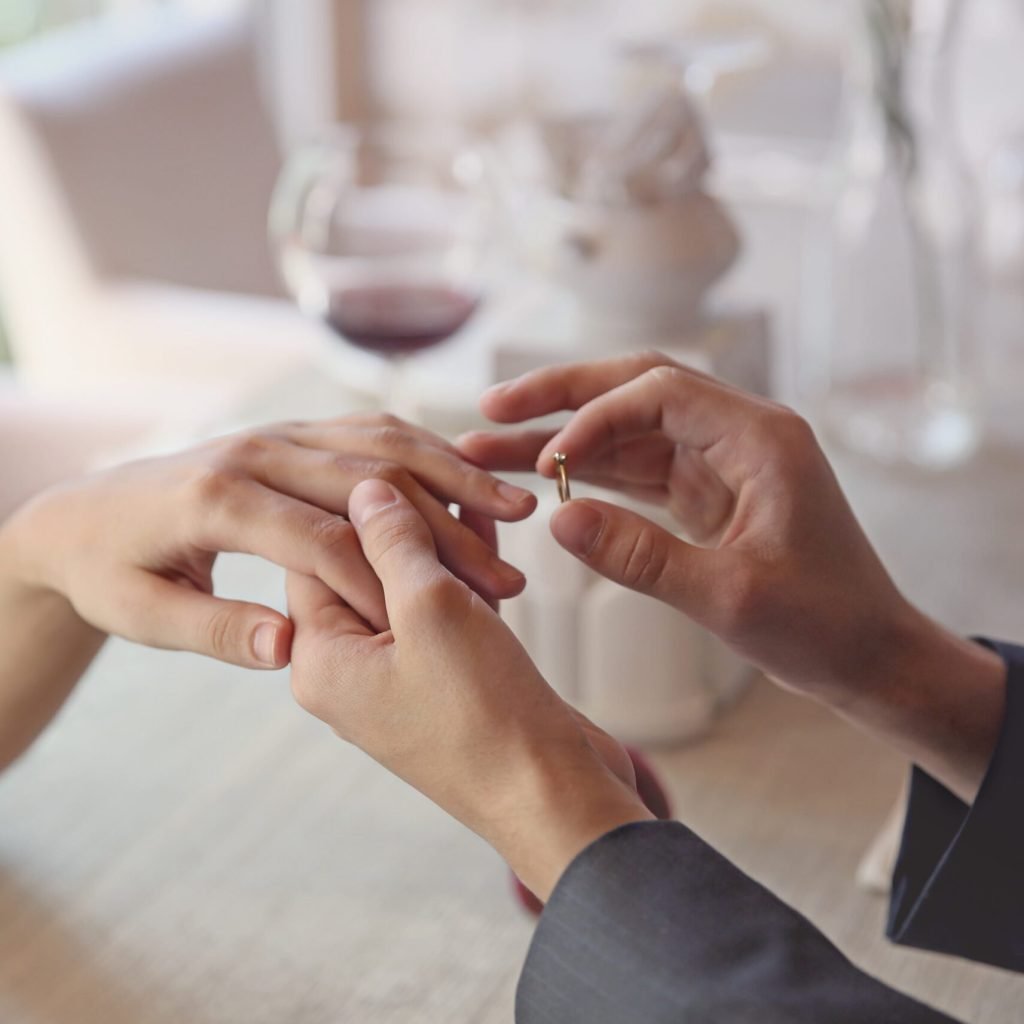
186	845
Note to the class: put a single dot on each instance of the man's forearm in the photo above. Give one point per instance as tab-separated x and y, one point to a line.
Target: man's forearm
938	698
46	648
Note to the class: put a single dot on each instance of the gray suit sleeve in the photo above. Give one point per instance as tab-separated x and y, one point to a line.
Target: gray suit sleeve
650	925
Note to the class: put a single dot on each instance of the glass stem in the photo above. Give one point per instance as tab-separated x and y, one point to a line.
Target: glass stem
398	397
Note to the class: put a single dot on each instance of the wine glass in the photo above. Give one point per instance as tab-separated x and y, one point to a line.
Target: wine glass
381	233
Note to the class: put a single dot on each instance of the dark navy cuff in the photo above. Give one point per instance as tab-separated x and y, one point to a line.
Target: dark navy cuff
957	881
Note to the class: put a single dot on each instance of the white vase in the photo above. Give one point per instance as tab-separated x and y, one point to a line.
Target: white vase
646	268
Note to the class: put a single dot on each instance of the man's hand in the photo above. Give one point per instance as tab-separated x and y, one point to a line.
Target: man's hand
777	565
448	700
132	550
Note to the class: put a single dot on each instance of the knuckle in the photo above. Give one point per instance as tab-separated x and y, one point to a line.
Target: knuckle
333	537
344	464
471	473
244	449
651	359
386	419
393	437
443	597
792	430
390	472
644	561
222	634
666	376
393	533
791	437
359	422
453	474
214	484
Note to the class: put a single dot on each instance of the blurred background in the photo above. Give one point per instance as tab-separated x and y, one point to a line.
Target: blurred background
227	212
221	212
864	163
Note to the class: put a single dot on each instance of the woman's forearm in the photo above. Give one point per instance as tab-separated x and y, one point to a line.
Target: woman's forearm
46	645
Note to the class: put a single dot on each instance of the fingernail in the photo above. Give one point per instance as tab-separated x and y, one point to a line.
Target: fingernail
512	494
369	498
264	644
511	580
510	573
578	527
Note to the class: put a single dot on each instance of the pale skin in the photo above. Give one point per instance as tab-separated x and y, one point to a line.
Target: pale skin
404	656
778	567
131	551
448	700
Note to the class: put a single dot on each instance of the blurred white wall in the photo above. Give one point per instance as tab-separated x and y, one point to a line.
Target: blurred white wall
991	75
462	57
476	59
315	55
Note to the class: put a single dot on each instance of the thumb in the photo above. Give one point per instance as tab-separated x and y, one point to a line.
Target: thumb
633	551
179	618
396	540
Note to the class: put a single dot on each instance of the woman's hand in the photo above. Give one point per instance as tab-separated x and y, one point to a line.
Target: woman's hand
448	700
779	568
132	549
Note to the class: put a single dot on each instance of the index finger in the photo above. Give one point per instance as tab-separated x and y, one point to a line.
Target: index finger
439	467
567	386
688	408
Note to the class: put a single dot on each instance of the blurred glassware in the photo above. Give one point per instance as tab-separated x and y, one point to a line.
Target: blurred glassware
902	363
1003	219
1002	253
382	233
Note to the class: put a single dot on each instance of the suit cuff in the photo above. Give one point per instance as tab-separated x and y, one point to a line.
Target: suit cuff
956	884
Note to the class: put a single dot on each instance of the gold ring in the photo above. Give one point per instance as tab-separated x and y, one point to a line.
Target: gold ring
563	477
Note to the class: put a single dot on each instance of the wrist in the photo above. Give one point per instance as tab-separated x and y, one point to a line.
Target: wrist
20	547
562	804
889	651
24	547
47	645
937	697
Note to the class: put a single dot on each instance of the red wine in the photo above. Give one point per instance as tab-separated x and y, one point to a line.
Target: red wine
398	318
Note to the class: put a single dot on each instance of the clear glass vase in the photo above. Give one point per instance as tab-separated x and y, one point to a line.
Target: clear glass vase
902	361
